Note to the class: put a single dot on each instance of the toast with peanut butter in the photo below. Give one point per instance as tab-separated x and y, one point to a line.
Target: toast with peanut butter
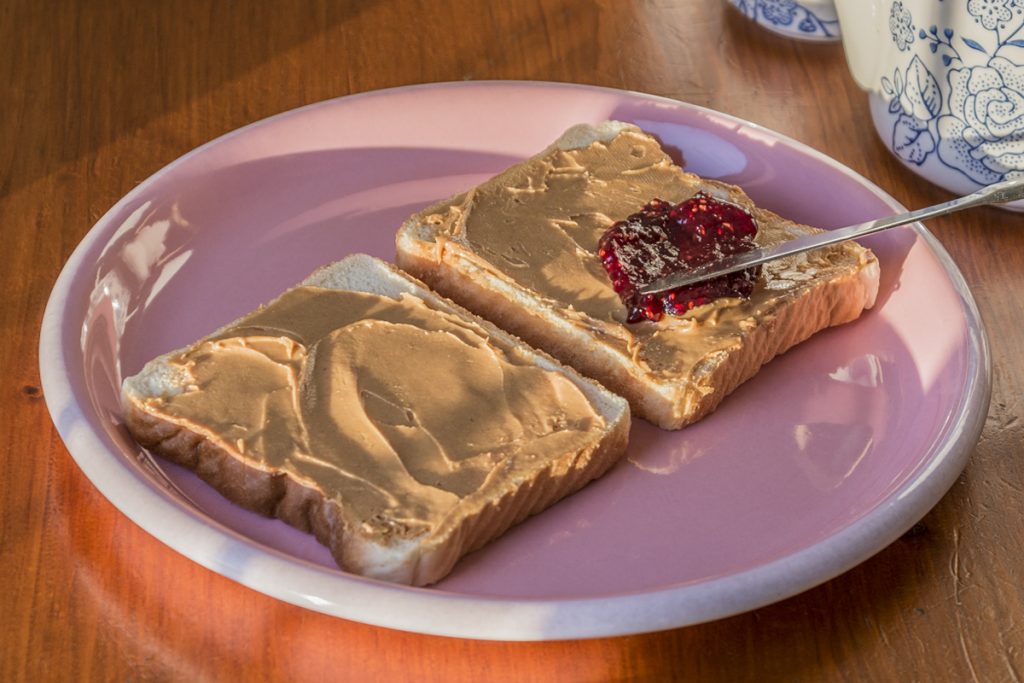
533	250
402	431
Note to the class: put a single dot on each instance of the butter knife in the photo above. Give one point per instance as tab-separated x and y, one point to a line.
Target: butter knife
1006	191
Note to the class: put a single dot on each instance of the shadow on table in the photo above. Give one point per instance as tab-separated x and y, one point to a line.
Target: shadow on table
818	635
112	68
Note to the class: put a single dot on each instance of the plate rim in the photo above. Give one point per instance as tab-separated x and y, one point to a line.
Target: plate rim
500	618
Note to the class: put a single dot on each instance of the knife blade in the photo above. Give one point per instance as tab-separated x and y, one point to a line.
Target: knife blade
998	193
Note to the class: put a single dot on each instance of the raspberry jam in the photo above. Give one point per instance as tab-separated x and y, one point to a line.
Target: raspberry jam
662	239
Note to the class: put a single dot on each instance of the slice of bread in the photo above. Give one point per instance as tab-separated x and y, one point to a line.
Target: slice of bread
421	467
521	251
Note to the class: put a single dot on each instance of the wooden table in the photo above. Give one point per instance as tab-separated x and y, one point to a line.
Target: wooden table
97	96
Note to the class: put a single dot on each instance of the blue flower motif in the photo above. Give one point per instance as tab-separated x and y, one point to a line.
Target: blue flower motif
779	12
785	16
969	114
983	135
991	13
901	26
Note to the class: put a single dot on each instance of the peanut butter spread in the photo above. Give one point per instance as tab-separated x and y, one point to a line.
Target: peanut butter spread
396	411
539	224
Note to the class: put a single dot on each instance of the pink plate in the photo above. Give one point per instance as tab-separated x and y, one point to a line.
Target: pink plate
824	458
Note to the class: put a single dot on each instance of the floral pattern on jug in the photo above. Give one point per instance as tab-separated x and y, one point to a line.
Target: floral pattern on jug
969	115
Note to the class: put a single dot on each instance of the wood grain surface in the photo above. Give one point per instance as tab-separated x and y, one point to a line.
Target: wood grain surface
98	95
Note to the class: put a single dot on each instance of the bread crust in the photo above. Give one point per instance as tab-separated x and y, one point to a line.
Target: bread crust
418	561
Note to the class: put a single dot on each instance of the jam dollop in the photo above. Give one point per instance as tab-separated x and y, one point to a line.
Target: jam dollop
661	239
